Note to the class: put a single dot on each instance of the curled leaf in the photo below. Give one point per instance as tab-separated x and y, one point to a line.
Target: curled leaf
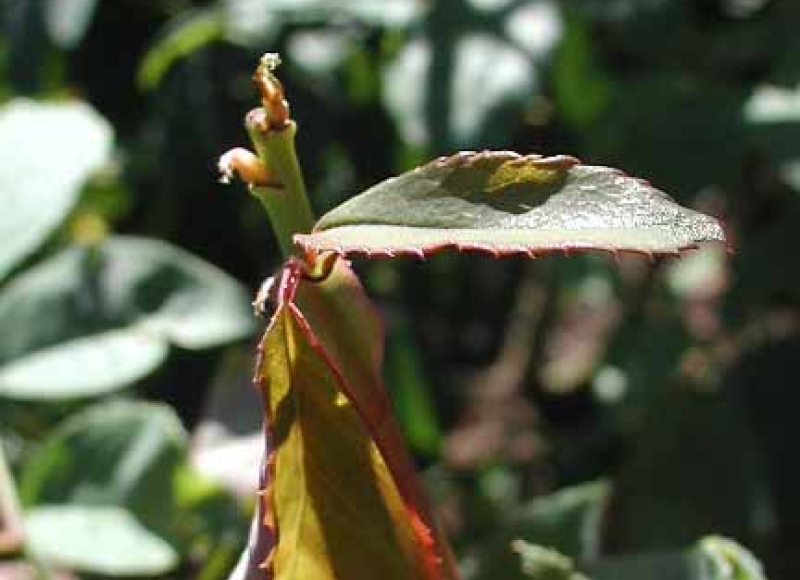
341	497
503	203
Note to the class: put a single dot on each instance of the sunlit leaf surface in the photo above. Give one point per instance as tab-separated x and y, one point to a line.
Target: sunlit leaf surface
100	540
107	315
503	203
343	501
48	152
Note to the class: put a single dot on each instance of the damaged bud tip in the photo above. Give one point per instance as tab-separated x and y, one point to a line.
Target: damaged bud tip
244	164
270	61
276	108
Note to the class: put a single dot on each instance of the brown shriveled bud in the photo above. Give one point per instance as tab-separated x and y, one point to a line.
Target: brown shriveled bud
244	164
271	90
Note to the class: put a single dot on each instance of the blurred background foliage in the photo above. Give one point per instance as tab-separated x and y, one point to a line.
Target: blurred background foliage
616	411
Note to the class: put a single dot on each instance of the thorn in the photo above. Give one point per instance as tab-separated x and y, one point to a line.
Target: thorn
557	162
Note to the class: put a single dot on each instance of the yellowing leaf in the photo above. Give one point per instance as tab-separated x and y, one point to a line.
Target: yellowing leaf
504	203
342	499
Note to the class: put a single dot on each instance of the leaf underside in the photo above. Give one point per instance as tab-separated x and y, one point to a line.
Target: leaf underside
341	499
502	203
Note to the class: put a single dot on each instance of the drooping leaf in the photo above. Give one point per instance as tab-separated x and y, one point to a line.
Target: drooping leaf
342	499
48	151
99	540
503	203
91	320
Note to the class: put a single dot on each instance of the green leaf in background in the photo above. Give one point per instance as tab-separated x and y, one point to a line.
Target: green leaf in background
465	77
655	142
540	563
119	453
568	520
91	320
411	392
110	470
99	540
181	38
248	18
580	86
504	203
48	152
712	558
772	115
89	366
68	20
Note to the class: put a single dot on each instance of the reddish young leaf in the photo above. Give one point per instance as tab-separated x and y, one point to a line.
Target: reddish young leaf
342	500
501	203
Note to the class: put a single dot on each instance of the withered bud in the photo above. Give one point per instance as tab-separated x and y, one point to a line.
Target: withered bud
244	164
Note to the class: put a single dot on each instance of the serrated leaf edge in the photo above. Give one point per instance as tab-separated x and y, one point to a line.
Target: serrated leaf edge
431	562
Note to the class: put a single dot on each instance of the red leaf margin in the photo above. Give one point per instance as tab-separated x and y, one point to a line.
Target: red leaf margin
437	561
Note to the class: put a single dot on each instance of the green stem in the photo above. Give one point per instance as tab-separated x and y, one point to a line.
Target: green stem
286	202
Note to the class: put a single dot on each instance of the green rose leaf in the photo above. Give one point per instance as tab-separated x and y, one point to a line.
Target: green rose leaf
504	203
